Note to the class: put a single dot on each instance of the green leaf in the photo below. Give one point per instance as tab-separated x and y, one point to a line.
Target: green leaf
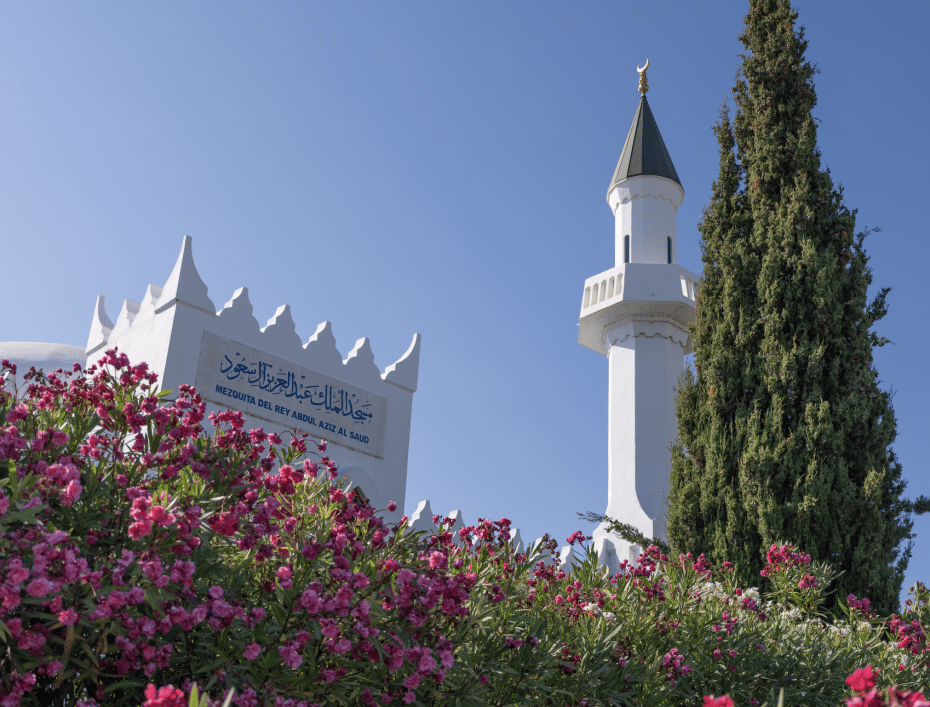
122	684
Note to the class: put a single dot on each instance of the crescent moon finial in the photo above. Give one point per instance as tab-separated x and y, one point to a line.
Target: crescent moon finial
643	86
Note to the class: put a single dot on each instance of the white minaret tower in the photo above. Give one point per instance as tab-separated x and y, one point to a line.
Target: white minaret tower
637	315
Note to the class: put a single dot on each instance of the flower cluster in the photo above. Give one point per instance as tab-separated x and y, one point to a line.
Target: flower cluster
138	546
863	682
860	605
779	559
125	513
673	666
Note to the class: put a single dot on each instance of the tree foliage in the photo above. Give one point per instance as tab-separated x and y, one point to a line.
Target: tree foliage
783	429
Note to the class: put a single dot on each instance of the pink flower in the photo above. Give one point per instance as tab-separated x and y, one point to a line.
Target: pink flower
251	651
329	628
70	494
140	529
577	536
285	576
863	679
334	675
311	601
222	609
39	587
165	697
722	701
160	516
409	697
807	581
405	576
483	680
392	506
427	664
68	617
291	658
216	592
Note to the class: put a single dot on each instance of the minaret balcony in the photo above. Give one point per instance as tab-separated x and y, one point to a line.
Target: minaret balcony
635	290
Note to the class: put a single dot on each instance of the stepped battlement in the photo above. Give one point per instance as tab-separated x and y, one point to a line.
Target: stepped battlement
185	288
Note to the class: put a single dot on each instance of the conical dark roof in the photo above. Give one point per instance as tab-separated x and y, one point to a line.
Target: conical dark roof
644	151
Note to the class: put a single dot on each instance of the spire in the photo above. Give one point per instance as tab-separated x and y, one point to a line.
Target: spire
644	152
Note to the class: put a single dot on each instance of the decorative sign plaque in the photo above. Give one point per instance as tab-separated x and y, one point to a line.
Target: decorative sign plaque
237	376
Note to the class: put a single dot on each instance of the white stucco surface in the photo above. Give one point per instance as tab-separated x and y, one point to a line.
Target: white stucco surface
644	208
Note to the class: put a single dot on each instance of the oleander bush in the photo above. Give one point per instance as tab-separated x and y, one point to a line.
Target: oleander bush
152	555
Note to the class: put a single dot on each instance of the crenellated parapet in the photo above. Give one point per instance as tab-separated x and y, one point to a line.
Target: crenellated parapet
567	556
271	374
185	288
421	520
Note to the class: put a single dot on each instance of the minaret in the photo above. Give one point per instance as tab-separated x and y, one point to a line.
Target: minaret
637	315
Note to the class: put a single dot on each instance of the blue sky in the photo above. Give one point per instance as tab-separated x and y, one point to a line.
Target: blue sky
429	167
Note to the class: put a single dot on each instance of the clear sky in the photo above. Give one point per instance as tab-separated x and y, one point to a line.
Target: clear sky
430	167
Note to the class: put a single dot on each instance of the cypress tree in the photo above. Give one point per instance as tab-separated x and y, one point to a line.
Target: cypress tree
784	433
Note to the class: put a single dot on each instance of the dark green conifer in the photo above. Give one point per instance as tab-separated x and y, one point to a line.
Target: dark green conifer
784	433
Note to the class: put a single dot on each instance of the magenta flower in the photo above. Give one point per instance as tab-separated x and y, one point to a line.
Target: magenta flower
140	529
285	575
39	587
68	617
722	701
168	696
52	668
251	651
863	679
70	494
291	658
427	664
436	560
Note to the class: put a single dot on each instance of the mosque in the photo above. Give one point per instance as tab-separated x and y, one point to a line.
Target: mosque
637	314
